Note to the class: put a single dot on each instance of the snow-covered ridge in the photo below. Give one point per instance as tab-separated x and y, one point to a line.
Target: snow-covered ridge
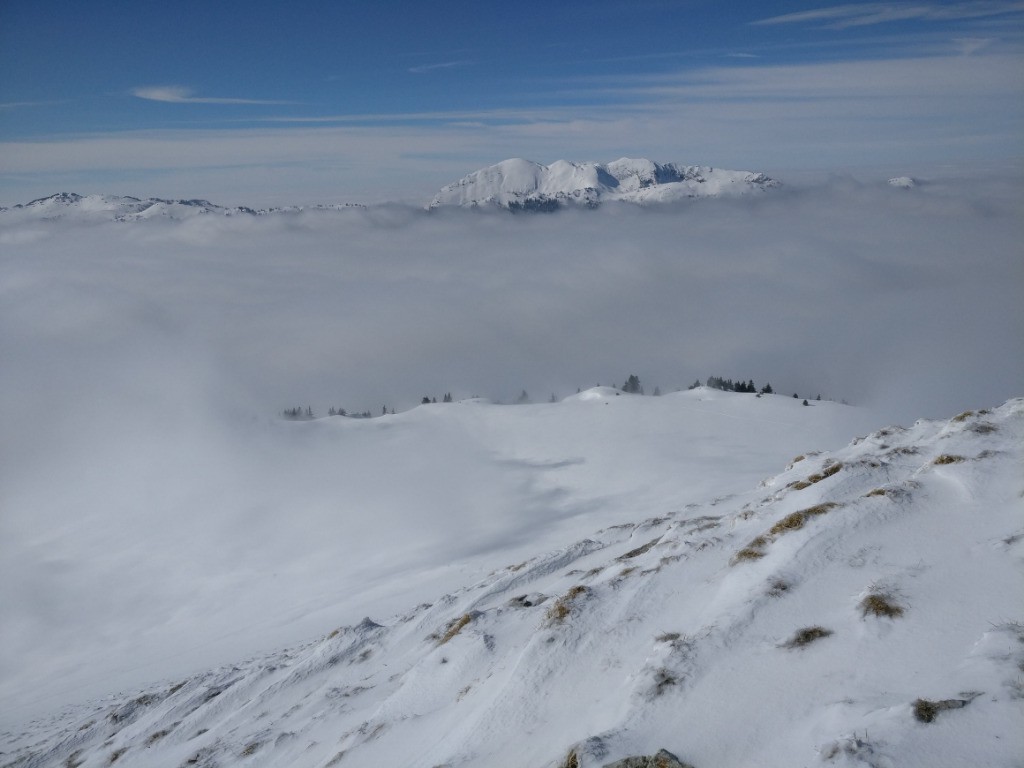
72	206
525	185
861	608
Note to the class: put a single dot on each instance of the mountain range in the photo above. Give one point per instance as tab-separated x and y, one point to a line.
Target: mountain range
525	185
519	185
70	205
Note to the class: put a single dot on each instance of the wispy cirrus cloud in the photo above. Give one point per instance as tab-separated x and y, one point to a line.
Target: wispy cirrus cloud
177	94
866	14
24	104
424	68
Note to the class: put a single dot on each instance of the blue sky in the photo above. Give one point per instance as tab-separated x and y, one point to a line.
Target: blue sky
267	102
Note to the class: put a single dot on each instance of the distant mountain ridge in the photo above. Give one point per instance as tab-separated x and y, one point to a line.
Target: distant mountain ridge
515	184
519	184
64	205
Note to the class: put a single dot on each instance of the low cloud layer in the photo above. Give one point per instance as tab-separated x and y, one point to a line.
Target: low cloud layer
843	289
144	364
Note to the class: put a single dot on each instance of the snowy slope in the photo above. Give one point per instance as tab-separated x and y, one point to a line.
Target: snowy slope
522	184
861	608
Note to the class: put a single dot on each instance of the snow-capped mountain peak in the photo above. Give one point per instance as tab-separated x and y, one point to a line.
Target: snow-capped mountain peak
519	184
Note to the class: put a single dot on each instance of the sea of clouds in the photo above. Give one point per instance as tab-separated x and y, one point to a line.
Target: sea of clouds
141	362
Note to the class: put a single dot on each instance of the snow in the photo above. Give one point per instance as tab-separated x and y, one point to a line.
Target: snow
903	182
520	182
185	579
600	606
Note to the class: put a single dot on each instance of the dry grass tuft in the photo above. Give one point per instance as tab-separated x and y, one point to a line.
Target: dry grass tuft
795	520
252	749
877	492
116	755
820	509
562	607
880	604
572	760
826	472
926	711
806	636
799	485
963	416
454	627
947	458
790	522
153	738
753	551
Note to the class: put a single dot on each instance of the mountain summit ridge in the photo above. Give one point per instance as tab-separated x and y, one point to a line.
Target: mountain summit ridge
519	184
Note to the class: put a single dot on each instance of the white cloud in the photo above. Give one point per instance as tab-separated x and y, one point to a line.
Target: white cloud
904	111
424	68
144	364
176	94
865	14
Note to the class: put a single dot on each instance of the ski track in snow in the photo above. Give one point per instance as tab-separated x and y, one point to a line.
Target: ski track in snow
659	633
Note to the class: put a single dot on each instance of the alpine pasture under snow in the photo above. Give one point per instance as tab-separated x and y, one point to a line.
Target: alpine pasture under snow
189	580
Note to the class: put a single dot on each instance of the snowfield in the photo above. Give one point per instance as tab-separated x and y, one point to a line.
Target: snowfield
859	607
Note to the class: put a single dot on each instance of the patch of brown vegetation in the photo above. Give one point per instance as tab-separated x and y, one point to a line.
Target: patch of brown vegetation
963	416
753	551
796	520
454	627
806	636
926	711
153	738
562	607
880	604
947	458
876	492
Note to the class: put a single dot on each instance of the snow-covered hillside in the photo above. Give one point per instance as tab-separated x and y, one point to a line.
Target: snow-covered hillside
860	607
524	185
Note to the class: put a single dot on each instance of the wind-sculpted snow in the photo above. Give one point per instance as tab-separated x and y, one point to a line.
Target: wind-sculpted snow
655	634
519	184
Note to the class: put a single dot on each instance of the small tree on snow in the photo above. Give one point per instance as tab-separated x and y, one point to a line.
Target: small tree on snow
632	385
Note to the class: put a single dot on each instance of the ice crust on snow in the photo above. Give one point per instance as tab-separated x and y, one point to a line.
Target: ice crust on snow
650	634
523	184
